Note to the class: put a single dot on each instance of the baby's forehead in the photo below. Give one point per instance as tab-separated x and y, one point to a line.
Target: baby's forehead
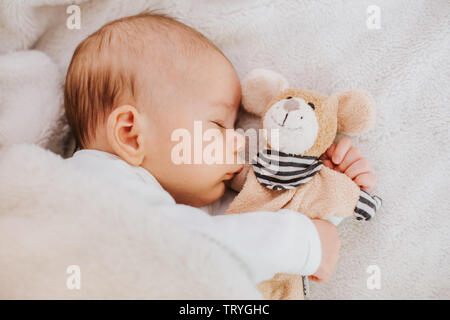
203	72
172	61
176	54
161	41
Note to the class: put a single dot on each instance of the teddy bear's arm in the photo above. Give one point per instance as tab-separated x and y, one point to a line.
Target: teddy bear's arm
255	197
329	193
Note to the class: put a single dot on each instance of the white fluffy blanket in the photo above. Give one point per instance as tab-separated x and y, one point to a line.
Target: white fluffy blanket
52	217
321	45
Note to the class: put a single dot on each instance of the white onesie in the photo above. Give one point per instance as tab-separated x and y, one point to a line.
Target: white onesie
264	242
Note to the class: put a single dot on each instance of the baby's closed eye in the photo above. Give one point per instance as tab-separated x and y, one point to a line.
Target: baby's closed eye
220	124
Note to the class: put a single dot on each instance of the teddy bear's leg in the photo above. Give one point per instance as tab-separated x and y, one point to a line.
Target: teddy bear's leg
283	286
367	206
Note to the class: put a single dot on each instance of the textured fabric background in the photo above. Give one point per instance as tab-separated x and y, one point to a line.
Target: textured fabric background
320	45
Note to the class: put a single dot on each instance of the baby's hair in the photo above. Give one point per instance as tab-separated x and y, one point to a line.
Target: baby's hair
103	72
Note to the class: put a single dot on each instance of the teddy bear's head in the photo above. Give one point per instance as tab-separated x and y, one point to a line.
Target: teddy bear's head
306	122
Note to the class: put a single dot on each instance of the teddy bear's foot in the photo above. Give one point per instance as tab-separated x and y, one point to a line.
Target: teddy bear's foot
283	286
379	201
367	206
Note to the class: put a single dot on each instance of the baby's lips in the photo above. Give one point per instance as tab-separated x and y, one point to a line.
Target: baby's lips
230	175
240	169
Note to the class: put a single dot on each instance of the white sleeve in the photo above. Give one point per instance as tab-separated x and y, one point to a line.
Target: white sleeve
265	242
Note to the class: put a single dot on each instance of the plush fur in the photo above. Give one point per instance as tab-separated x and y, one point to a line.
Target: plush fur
329	193
30	99
282	286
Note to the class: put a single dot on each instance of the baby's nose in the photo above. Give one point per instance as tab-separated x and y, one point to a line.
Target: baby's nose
291	105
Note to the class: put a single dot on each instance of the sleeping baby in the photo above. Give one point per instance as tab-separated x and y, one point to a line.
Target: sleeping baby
135	82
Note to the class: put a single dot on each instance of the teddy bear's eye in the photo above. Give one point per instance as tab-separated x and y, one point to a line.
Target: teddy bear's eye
288	97
311	105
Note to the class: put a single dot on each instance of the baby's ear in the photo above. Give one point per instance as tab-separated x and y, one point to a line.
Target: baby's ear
259	87
356	112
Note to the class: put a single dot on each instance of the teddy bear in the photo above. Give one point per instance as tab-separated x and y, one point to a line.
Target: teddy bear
298	126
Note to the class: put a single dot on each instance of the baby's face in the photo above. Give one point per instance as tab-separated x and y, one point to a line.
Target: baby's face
203	101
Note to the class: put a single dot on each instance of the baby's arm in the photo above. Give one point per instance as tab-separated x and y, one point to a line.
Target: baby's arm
265	243
330	250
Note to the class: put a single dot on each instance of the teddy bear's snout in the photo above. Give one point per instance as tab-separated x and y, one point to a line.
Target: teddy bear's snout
291	104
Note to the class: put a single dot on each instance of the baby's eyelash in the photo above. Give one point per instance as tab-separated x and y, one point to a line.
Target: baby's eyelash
219	124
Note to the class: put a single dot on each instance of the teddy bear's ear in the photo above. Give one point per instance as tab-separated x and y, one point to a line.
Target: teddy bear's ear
259	87
356	112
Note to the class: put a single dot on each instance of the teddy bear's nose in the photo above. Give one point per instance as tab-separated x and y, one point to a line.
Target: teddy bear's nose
291	105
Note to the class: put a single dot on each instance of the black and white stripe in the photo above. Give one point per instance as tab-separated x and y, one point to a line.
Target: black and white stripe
277	170
367	206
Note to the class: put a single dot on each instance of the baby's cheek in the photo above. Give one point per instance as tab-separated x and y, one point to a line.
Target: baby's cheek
215	192
233	144
203	175
207	180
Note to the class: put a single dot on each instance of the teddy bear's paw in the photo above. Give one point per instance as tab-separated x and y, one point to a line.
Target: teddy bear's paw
367	206
379	202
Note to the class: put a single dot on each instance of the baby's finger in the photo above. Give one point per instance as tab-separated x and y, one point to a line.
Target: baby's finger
330	151
314	278
366	181
350	157
358	167
341	149
328	163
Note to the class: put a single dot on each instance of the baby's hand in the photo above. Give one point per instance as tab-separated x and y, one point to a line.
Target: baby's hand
345	158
